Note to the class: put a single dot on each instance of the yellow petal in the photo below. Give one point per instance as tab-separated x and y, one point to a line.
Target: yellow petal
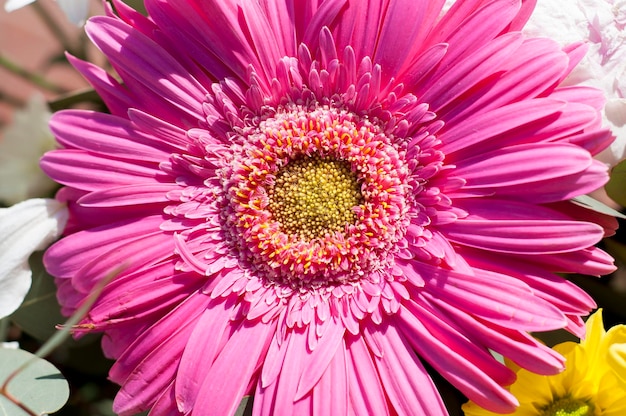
595	331
616	358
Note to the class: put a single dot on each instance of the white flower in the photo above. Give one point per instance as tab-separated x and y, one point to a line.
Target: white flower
602	25
24	142
24	228
75	10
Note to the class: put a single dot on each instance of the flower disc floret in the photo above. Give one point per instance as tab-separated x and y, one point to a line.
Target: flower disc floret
568	406
365	171
314	196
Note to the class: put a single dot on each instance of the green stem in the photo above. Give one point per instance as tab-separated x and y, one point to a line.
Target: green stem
76	97
27	75
11	100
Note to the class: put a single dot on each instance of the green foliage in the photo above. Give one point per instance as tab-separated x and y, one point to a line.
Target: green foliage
616	188
30	385
39	313
39	385
245	407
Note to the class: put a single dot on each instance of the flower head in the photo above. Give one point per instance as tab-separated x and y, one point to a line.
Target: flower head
591	385
313	197
24	228
602	25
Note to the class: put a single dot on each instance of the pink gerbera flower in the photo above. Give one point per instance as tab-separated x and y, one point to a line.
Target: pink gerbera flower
311	199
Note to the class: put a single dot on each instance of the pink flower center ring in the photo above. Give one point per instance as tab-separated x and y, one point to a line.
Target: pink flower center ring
316	197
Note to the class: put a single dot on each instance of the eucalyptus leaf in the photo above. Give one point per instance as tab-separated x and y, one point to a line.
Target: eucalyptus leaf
616	187
40	386
588	202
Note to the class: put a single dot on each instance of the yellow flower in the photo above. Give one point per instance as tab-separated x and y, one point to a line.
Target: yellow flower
592	384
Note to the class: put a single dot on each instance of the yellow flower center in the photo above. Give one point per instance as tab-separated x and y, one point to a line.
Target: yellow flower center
313	196
568	406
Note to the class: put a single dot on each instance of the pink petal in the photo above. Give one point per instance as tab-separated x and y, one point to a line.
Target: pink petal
263	40
469	368
448	86
204	344
407	384
476	30
590	261
330	394
165	133
573	209
535	66
516	345
129	195
274	360
524	163
89	172
69	255
560	292
278	12
233	367
133	17
422	65
403	24
124	257
522	16
164	403
175	85
496	297
359	27
278	397
115	96
317	361
107	135
366	393
149	365
531	172
488	125
314	20
142	295
512	227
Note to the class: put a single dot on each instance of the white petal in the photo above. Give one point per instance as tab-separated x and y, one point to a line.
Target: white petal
602	25
75	10
24	228
12	5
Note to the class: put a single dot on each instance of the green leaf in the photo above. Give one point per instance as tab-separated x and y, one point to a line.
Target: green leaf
245	407
137	5
588	202
40	386
40	312
616	187
74	98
